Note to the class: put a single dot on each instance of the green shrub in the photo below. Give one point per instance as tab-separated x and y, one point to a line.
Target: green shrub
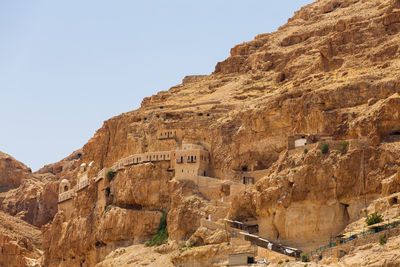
305	150
191	245
287	260
374	218
324	148
161	237
343	147
304	257
107	192
110	175
280	262
383	239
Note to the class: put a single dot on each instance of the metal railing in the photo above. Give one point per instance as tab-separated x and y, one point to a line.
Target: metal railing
372	229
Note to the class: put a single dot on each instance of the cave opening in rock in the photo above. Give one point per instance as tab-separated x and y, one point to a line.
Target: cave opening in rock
346	214
100	244
281	77
393	201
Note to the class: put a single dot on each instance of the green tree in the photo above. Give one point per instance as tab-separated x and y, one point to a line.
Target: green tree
324	148
110	175
343	147
374	218
161	237
383	239
304	257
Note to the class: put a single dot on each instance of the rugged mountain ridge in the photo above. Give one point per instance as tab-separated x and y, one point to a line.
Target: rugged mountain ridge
332	70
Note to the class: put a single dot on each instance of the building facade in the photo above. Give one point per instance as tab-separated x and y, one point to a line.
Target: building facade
191	160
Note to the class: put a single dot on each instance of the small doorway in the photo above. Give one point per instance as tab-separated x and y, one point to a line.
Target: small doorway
250	260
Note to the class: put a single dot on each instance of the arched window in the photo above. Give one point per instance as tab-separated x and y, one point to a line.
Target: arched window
66	188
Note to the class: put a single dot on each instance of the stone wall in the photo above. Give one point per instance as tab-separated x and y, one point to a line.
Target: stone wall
191	162
67	207
211	225
209	187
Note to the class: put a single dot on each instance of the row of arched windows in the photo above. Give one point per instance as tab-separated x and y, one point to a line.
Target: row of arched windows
167	134
157	157
191	158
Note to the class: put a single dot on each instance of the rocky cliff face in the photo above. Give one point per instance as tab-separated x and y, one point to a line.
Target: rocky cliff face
26	195
33	196
308	197
19	242
333	69
12	172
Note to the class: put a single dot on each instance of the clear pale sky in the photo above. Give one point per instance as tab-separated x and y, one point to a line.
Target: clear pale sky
67	66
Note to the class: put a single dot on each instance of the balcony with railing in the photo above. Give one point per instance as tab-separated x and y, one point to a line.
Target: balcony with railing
82	184
65	196
101	174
